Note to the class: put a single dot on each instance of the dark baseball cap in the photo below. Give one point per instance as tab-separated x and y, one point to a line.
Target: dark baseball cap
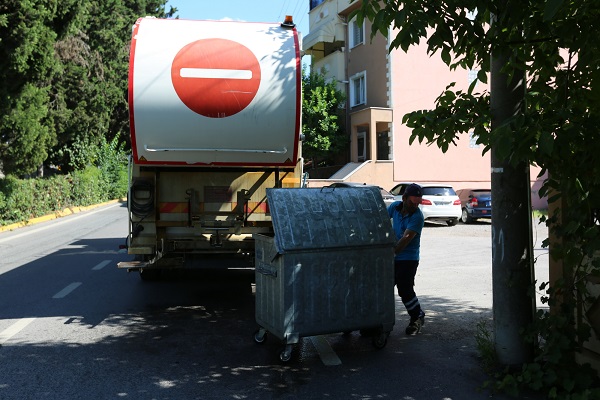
414	190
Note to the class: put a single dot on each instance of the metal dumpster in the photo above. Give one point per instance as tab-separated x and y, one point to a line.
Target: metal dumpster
328	268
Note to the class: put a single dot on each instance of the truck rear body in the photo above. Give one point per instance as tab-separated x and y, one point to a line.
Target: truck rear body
215	112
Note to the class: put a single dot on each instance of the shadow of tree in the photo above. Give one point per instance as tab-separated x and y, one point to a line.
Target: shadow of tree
190	336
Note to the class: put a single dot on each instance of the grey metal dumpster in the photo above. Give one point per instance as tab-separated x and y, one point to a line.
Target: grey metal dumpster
328	268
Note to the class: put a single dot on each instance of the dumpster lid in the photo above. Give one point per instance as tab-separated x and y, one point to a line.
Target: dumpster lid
321	218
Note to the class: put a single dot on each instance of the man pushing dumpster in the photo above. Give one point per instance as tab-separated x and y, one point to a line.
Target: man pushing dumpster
408	221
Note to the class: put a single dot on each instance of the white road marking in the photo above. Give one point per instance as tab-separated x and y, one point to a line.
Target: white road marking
14	329
67	290
325	351
101	265
215	73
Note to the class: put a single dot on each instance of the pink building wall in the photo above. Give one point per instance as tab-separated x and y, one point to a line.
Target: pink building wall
417	79
397	84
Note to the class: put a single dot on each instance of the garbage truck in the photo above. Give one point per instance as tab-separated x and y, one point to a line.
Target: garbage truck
215	120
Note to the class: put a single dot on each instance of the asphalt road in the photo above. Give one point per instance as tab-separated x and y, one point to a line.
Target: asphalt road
73	326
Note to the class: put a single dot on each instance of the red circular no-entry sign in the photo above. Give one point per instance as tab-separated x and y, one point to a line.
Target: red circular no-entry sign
216	78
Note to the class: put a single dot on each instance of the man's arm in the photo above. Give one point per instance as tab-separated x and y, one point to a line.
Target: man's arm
404	240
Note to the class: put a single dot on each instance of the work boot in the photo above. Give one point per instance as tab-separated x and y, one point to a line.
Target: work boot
415	324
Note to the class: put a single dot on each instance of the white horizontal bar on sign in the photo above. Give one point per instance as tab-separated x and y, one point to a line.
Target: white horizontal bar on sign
215	73
152	149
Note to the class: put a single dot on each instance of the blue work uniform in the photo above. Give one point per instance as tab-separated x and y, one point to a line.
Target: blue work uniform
407	261
400	223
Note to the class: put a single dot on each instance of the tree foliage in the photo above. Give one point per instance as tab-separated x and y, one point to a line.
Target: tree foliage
64	67
322	111
26	62
555	41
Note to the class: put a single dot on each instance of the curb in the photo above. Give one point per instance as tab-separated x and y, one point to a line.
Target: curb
58	214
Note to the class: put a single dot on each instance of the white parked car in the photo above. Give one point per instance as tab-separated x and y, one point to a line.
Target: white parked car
440	201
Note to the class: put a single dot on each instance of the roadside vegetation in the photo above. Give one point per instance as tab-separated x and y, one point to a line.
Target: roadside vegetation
64	118
64	123
323	121
104	179
553	44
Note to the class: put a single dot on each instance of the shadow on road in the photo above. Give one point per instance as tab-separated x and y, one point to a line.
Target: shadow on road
191	336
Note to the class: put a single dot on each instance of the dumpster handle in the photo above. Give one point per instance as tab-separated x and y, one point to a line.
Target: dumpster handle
266	271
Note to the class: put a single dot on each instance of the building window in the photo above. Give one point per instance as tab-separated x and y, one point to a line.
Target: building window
383	146
314	3
361	143
357	34
358	89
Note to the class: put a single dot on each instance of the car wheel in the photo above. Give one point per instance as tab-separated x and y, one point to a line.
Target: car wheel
465	218
452	221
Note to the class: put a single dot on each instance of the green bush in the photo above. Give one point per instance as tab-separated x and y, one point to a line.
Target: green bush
111	160
88	187
51	195
105	178
23	199
19	196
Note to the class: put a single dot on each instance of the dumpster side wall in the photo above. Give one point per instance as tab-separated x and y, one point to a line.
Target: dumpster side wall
319	292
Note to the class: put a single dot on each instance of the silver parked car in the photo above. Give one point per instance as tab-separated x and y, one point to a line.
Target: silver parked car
440	202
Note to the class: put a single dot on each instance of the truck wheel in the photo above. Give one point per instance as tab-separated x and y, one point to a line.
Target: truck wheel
150	275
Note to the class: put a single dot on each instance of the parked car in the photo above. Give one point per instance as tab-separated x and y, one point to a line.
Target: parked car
440	202
388	198
475	203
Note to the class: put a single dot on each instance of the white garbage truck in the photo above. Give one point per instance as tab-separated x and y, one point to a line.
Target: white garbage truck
215	116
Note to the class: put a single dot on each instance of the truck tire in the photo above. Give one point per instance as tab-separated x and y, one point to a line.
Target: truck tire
150	274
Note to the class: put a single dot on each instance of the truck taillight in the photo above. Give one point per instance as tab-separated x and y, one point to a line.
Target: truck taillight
473	202
456	202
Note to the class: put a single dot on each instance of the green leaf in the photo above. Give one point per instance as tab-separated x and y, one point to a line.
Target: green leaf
546	143
446	58
482	76
551	8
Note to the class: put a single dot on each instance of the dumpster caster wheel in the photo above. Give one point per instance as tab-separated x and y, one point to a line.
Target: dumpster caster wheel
260	336
286	353
379	341
369	332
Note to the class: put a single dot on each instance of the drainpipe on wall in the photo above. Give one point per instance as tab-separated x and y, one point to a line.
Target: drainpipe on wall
347	83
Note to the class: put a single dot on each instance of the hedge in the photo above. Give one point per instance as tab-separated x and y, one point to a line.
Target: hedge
23	199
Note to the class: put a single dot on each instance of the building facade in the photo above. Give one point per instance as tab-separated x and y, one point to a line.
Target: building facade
381	87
